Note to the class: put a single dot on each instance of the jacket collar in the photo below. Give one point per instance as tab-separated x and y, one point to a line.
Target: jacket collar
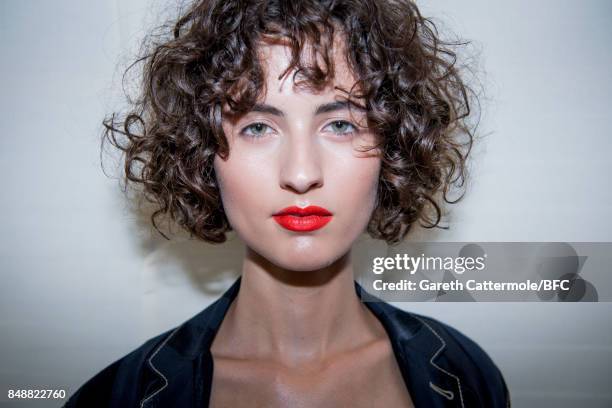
416	345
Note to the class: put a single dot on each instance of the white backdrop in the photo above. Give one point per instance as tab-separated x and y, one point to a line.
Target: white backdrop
84	280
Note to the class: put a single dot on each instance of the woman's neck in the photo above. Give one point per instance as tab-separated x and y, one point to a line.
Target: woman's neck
296	318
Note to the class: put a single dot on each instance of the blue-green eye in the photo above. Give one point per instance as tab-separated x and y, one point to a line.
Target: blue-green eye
341	127
256	130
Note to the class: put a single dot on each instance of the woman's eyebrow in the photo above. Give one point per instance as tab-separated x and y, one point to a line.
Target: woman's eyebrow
336	106
263	108
324	108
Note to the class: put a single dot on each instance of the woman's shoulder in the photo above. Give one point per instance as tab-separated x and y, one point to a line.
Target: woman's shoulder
461	350
162	368
457	345
122	382
451	357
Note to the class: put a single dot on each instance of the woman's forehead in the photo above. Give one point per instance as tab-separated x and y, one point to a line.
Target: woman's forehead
275	57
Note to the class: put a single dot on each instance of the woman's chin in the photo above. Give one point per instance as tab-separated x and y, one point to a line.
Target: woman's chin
302	258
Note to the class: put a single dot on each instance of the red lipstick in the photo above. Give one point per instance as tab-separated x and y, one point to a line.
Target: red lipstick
310	218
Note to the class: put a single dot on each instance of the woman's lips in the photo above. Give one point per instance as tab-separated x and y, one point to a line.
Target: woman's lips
305	219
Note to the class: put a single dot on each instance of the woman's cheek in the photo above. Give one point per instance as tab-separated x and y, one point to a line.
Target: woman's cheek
361	186
243	185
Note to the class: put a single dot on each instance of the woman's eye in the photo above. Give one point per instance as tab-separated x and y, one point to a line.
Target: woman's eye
341	127
256	130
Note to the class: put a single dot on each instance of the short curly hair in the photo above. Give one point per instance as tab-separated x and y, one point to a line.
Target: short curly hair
416	100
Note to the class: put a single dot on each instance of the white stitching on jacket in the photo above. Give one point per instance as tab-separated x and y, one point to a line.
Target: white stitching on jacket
156	370
445	393
431	361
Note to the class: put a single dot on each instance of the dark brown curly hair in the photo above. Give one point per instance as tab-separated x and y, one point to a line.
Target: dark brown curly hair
416	99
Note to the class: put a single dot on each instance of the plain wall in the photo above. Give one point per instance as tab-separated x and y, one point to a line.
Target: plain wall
85	280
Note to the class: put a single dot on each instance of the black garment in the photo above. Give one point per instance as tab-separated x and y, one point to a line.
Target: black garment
440	366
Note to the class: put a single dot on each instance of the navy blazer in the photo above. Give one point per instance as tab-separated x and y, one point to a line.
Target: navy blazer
440	366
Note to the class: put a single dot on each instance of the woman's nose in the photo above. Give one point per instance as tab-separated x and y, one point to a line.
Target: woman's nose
300	169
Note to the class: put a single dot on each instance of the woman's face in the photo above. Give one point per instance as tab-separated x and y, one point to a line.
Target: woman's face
298	148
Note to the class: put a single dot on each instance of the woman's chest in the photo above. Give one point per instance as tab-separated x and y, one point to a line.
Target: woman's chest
363	380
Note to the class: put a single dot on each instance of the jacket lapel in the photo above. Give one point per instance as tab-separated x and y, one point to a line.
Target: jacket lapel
182	364
417	348
181	367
